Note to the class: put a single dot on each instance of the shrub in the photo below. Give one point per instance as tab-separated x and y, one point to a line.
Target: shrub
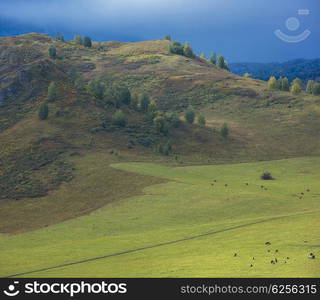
295	88
43	112
202	121
52	92
96	88
310	86
176	48
224	131
165	148
60	37
266	176
87	42
272	83
78	39
144	102
167	37
52	52
187	51
316	89
189	115
119	119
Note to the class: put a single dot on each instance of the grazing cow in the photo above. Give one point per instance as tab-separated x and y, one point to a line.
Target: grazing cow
308	190
251	266
275	260
277	251
288	257
267	243
234	255
247	183
272	262
225	185
311	256
253	258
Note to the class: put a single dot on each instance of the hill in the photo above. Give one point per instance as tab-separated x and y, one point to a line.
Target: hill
305	69
80	161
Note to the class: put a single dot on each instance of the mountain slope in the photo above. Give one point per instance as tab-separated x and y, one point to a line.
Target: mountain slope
42	161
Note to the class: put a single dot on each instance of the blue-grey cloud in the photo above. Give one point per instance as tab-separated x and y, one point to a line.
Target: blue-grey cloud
240	29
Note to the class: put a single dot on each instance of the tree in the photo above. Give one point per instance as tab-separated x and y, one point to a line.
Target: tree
167	37
295	88
247	75
96	88
52	92
119	119
224	131
60	36
144	102
272	83
316	89
187	51
201	121
161	124
190	115
310	86
52	52
298	81
43	112
203	56
87	42
78	39
176	48
213	58
284	84
221	63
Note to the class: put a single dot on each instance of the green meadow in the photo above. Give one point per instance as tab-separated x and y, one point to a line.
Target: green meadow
190	225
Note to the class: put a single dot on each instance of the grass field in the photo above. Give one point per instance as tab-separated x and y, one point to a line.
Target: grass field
192	228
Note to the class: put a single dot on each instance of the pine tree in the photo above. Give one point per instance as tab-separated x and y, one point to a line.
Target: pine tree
43	112
87	42
310	86
190	115
167	37
78	39
52	52
176	48
272	83
203	56
52	92
213	58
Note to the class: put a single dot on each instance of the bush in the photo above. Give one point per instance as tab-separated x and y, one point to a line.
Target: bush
266	176
78	39
96	88
52	92
224	131
202	121
43	111
52	52
87	42
165	148
176	48
119	119
167	37
295	88
190	115
316	89
187	51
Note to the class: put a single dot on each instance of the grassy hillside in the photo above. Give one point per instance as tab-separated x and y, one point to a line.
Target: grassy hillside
77	180
192	226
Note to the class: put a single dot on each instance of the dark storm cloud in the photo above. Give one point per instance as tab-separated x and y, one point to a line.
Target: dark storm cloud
240	29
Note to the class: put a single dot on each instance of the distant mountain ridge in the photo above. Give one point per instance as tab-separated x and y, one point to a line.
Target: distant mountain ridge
305	69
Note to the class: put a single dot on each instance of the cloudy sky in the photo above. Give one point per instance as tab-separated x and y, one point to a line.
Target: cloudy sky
242	30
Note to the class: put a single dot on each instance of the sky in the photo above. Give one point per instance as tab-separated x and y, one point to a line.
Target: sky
241	30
